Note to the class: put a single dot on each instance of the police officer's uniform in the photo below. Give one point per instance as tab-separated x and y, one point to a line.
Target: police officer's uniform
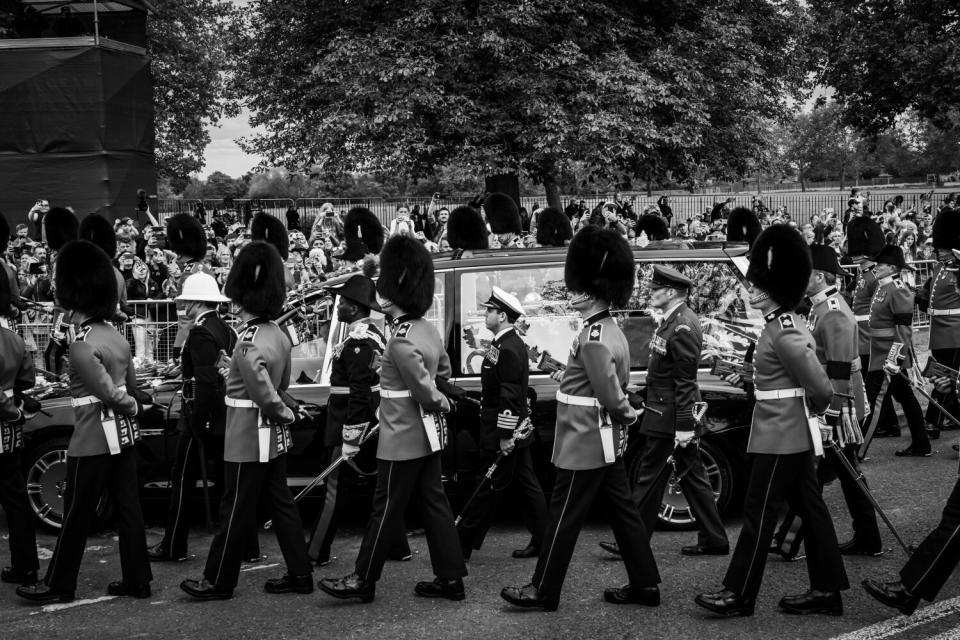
503	378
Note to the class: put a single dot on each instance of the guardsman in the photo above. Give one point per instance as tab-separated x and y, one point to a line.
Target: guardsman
503	216
352	408
186	238
16	376
653	226
553	228
412	433
503	381
891	316
363	235
101	455
272	231
671	429
864	242
743	226
60	226
790	383
593	415
203	419
98	230
934	559
466	230
941	301
257	437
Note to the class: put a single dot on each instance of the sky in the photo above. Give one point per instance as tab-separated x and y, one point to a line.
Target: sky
223	154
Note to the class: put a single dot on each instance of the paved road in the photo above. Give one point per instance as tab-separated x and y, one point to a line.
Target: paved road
913	491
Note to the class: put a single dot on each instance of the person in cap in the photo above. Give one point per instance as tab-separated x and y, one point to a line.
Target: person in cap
654	226
503	216
834	331
98	230
671	430
352	407
186	238
891	319
101	455
553	228
790	383
503	385
363	233
60	226
203	417
257	434
266	228
940	299
743	226
411	433
466	230
593	415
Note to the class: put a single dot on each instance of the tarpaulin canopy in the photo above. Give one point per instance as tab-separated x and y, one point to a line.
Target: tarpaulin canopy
111	6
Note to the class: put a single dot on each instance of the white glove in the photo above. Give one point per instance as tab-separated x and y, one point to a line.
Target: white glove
683	438
891	369
350	450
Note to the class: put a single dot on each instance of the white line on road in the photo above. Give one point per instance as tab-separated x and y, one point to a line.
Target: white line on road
50	608
893	626
260	566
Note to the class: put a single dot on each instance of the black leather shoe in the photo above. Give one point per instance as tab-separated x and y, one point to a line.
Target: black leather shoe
289	584
647	596
440	588
203	590
42	594
159	553
10	576
700	550
725	603
887	433
532	550
120	588
351	586
813	601
528	597
611	548
910	452
854	548
892	594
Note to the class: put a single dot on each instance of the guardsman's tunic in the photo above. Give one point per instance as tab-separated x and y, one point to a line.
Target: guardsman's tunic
940	299
408	451
790	382
101	455
866	286
592	418
255	465
16	375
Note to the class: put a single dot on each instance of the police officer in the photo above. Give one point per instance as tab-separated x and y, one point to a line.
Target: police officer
186	238
203	418
352	408
503	379
101	455
411	434
257	437
941	301
592	417
891	316
670	429
789	384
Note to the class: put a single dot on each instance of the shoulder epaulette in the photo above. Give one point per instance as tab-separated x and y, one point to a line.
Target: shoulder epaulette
833	304
249	333
402	330
682	327
897	282
786	321
595	333
83	333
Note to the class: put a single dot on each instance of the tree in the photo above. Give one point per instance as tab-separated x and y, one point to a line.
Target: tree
632	90
187	43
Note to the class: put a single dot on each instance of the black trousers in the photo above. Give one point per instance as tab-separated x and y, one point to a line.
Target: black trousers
183	485
889	417
514	469
13	499
950	358
398	481
87	477
866	533
652	478
901	391
573	494
937	556
775	480
336	496
246	484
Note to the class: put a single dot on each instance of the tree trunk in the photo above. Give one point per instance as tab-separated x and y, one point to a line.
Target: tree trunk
803	182
553	191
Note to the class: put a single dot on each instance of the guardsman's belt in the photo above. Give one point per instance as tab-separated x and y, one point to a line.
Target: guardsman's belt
813	423
434	424
865	317
91	399
778	394
119	431
943	312
264	429
345	391
603	422
394	393
883	332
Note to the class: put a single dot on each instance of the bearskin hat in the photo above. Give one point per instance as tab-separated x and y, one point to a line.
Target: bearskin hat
185	236
893	255
269	229
553	228
4	233
406	274
502	213
743	226
654	226
60	226
466	230
946	229
85	280
363	233
864	237
824	258
600	263
780	265
98	230
256	280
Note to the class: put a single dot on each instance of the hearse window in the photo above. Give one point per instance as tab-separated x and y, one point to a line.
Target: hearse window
313	327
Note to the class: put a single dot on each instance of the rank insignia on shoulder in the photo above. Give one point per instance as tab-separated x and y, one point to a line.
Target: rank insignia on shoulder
402	330
682	327
575	347
82	333
250	333
596	333
493	355
786	321
833	304
897	282
879	295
